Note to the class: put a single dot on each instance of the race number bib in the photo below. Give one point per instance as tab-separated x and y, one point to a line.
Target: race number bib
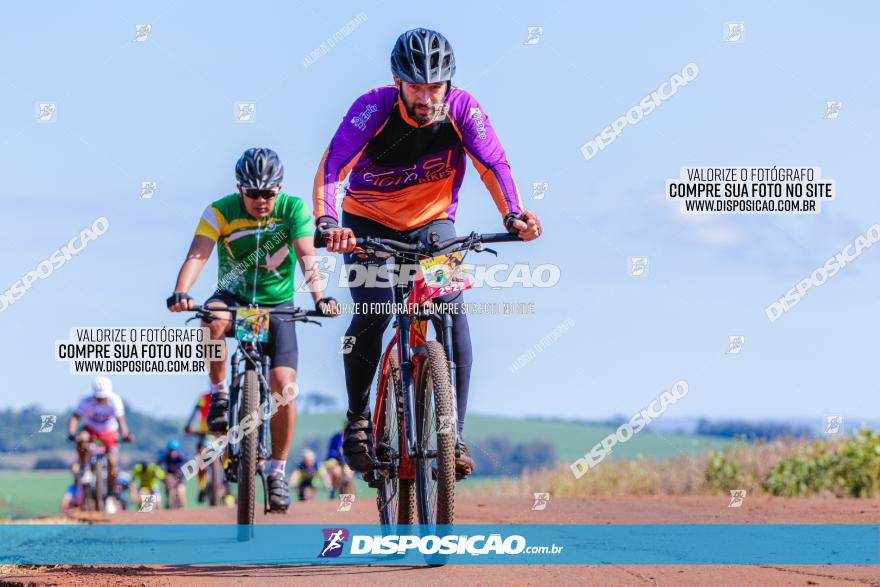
443	275
252	325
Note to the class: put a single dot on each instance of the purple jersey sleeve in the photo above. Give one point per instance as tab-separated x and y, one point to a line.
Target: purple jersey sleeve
363	120
483	147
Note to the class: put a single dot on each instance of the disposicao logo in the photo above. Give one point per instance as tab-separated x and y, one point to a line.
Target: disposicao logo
334	540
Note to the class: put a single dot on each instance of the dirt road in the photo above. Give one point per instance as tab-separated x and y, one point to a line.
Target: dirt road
605	510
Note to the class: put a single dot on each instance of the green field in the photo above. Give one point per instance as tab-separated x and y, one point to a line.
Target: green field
24	493
27	494
571	439
32	493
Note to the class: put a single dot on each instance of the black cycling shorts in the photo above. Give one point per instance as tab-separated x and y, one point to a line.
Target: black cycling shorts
282	348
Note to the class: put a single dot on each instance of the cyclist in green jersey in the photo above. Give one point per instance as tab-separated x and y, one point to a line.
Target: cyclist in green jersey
148	477
259	232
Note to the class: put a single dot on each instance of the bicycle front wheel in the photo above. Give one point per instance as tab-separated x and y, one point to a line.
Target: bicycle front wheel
247	459
98	471
435	421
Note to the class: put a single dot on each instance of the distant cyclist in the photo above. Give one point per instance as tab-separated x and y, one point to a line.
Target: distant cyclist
74	496
123	488
103	418
303	476
149	477
198	426
340	474
172	461
198	419
260	233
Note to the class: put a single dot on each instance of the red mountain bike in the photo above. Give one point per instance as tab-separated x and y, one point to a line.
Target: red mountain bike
415	416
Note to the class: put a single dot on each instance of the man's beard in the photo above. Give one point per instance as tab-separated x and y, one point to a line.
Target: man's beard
421	119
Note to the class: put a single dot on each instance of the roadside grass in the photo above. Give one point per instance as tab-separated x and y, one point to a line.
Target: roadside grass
826	467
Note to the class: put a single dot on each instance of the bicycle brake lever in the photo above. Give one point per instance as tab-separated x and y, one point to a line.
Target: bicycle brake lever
482	249
312	321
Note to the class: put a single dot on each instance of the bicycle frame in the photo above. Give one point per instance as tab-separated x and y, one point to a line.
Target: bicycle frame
96	451
409	337
249	357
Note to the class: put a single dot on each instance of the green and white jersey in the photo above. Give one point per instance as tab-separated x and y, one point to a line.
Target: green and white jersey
256	257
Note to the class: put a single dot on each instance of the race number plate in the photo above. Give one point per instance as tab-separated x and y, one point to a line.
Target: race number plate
443	275
252	325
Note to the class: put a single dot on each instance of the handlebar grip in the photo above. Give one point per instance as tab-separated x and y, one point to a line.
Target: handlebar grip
321	241
499	237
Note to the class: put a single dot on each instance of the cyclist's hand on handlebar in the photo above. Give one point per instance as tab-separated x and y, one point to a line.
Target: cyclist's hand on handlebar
527	226
327	306
337	239
179	301
128	438
188	430
340	240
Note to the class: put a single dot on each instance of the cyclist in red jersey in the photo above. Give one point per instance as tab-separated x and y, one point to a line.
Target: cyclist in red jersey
198	425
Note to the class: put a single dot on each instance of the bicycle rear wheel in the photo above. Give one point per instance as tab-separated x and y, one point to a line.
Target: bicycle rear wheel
435	419
247	458
395	497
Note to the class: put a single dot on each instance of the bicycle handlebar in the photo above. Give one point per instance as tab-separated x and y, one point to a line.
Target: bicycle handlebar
294	312
471	241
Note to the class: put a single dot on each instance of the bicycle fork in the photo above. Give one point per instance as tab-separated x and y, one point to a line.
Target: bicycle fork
413	450
446	341
406	377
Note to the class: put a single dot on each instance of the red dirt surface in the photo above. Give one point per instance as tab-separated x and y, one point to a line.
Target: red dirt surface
470	510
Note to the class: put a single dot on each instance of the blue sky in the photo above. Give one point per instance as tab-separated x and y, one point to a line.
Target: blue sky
162	110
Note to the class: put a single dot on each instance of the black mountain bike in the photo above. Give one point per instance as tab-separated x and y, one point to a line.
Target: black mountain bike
94	477
250	398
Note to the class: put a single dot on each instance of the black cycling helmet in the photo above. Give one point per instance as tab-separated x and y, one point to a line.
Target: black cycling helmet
422	56
259	168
